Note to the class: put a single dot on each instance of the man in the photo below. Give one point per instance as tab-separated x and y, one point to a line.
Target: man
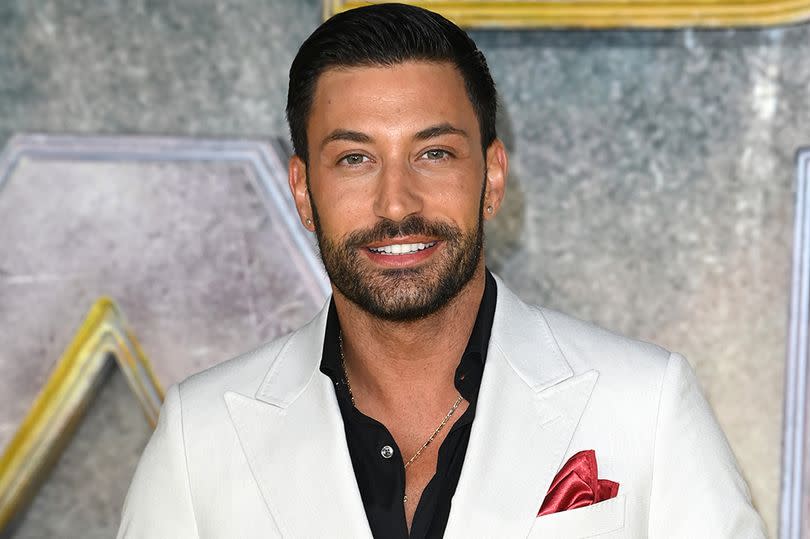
426	400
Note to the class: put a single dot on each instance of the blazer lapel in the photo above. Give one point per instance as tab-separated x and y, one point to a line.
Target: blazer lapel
292	435
528	408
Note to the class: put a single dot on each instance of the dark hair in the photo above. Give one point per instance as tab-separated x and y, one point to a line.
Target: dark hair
385	35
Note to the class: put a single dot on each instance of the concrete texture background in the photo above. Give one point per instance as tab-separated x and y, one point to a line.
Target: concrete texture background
187	250
652	171
190	253
107	442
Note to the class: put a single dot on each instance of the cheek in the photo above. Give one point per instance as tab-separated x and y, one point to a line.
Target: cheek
460	211
342	210
462	198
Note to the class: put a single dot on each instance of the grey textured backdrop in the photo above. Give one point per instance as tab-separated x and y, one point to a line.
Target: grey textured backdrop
652	171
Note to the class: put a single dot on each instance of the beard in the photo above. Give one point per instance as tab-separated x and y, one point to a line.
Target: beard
402	294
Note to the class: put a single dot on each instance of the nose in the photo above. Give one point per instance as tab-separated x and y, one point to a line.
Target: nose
397	193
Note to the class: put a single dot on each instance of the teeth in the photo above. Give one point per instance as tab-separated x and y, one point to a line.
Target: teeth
402	248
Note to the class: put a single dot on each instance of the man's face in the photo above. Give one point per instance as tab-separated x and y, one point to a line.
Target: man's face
396	186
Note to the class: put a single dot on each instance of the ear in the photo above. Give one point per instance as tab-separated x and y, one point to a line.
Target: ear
497	171
297	176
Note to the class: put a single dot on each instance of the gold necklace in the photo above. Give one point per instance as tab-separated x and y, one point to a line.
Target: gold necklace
435	432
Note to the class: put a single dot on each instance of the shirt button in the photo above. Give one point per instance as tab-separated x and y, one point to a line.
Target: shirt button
387	452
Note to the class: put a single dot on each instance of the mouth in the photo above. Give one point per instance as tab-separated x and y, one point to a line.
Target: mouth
398	249
402	252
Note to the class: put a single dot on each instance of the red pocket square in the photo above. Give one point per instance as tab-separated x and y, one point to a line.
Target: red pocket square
577	485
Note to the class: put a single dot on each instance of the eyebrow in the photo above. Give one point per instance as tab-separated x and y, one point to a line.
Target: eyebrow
439	130
425	134
345	134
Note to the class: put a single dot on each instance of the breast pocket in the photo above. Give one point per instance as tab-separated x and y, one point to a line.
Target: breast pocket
591	521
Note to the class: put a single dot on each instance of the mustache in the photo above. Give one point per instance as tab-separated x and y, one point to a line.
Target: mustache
410	226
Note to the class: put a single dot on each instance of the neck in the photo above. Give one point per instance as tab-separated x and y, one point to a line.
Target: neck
389	362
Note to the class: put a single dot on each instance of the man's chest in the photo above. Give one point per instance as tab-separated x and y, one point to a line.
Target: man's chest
407	476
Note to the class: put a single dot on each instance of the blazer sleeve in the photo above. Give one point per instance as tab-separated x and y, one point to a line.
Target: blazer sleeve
697	487
158	503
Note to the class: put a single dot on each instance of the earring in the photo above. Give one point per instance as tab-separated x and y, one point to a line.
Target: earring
309	221
489	209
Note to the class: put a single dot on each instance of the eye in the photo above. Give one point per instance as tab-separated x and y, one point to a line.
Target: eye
436	154
353	159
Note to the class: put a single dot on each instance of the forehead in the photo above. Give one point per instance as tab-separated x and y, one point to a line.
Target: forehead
410	95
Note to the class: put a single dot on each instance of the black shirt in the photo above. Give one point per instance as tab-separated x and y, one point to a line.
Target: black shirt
382	480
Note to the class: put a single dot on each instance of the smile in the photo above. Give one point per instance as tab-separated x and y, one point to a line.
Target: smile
401	248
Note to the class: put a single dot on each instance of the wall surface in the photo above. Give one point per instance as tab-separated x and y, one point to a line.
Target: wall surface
652	172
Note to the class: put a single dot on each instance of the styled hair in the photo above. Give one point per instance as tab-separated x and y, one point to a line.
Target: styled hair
387	35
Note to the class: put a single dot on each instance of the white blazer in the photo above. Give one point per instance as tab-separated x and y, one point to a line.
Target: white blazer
255	446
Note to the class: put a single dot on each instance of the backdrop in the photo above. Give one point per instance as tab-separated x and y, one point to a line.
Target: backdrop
651	184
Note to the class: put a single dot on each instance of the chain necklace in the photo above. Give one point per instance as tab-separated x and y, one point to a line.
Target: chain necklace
435	432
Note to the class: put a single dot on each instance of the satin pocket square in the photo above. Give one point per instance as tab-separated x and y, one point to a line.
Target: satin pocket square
577	485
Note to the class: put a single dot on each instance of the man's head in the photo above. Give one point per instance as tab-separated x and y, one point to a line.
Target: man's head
387	35
392	115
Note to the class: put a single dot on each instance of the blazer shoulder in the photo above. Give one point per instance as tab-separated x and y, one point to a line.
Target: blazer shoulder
588	346
243	373
201	396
